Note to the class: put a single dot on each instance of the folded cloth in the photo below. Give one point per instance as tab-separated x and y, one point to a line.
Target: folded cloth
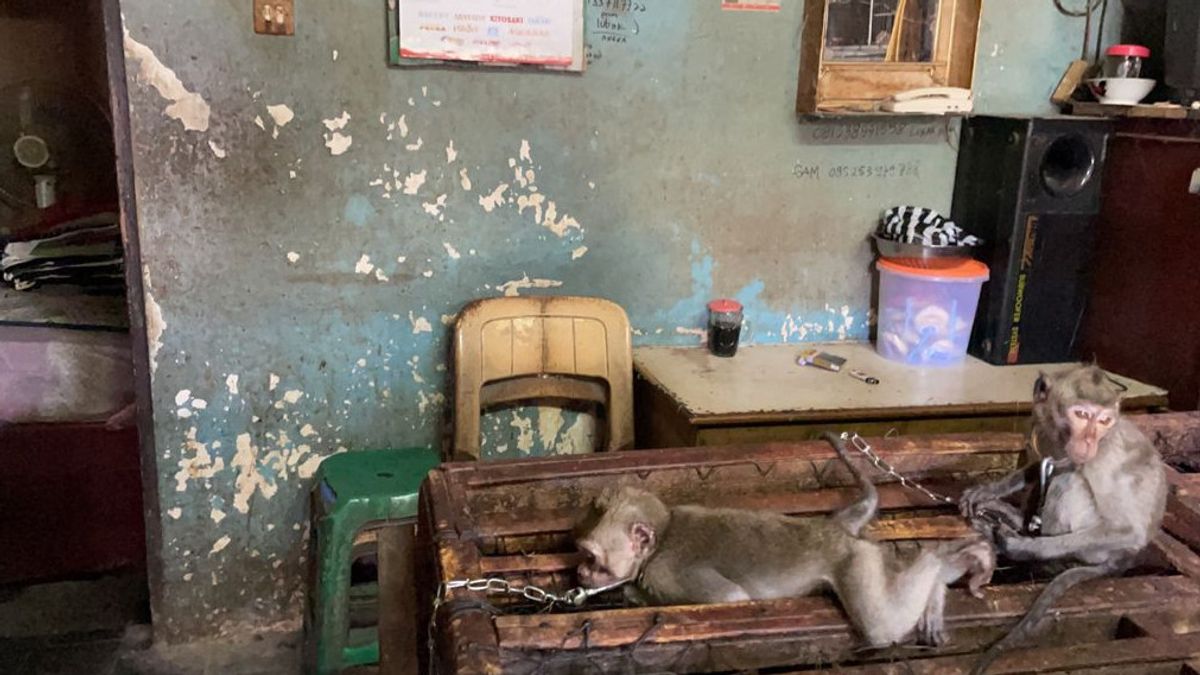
917	225
71	249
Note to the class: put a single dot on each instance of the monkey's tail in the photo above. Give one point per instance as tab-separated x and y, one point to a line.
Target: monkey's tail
856	516
1037	611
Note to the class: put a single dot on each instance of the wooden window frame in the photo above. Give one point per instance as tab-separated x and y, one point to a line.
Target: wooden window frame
860	86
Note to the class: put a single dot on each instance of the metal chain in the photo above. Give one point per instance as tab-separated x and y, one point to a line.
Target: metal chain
494	585
865	448
574	597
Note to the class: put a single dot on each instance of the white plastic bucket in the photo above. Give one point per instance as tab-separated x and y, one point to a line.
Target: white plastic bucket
925	314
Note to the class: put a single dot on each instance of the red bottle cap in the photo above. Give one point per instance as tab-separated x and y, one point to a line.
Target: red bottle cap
724	305
1129	50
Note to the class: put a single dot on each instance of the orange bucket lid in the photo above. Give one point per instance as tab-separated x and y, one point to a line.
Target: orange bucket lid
967	269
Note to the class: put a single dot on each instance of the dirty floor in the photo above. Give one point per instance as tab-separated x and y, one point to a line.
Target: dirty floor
99	627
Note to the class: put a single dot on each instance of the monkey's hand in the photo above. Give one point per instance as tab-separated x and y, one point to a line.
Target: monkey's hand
1012	544
973	498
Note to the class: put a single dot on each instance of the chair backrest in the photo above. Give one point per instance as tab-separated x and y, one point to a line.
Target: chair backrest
542	347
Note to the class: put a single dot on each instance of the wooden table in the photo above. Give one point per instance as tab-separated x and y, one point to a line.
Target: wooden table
684	396
513	519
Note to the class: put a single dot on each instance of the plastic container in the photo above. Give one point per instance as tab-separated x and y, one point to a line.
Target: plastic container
1123	61
925	315
724	326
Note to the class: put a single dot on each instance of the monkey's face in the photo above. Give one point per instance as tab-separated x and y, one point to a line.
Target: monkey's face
1088	423
614	550
1082	405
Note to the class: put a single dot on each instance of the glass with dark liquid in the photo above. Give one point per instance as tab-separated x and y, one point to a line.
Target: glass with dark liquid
724	326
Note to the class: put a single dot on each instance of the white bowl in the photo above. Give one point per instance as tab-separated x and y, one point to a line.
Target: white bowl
1120	90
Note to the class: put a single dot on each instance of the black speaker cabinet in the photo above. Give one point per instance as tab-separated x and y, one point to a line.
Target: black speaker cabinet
1182	46
1030	188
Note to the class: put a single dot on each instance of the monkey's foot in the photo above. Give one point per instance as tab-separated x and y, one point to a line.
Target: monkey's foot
981	564
931	630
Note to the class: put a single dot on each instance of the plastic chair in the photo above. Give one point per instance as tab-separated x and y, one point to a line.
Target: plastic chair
544	347
354	494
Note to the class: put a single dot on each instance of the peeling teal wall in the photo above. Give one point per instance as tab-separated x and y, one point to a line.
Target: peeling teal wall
301	263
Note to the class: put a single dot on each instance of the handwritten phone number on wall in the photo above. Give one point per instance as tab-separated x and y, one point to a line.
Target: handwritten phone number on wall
619	5
850	171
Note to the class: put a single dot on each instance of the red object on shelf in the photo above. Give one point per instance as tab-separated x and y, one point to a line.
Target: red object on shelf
1129	50
724	305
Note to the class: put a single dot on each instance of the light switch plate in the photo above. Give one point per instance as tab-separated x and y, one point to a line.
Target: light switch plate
1194	188
275	17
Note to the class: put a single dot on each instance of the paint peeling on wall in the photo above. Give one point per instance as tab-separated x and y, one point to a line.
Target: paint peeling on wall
515	286
155	324
282	114
419	324
199	466
188	107
335	140
490	201
220	544
413	182
337	143
249	479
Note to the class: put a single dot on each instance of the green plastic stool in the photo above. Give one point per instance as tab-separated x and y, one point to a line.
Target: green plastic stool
353	490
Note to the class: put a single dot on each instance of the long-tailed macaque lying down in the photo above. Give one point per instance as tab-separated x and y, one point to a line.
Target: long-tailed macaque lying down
694	554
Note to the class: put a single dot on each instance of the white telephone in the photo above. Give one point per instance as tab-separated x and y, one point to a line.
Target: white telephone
931	101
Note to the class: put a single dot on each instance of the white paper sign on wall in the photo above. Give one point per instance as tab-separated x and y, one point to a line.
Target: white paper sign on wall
546	33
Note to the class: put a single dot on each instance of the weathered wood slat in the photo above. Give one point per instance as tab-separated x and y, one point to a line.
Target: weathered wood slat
821	616
892	496
1176	435
1182	518
1178	554
1137	656
503	472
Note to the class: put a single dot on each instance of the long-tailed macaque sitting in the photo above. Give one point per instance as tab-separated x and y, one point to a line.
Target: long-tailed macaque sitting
694	554
1105	499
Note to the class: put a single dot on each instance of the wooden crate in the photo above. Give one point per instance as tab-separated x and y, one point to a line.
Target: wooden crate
512	519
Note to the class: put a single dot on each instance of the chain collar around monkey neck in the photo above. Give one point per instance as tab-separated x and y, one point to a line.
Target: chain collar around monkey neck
1048	468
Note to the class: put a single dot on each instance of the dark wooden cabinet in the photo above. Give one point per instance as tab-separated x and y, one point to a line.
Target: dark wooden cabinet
1143	317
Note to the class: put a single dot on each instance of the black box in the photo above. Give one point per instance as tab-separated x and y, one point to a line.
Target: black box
1030	188
1182	47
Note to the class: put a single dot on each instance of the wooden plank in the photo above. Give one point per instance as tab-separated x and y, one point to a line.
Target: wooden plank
1178	554
1182	517
810	56
398	627
1140	656
1096	109
809	502
533	470
822	618
734	434
660	421
1176	435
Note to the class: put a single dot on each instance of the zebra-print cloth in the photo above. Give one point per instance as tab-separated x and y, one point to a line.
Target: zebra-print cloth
916	225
